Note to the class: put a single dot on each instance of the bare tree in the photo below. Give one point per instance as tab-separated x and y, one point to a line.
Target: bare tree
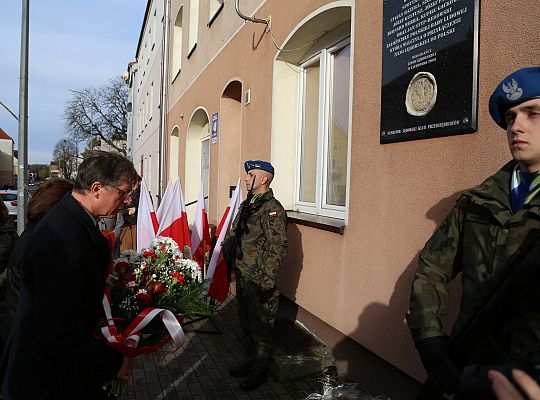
65	154
100	112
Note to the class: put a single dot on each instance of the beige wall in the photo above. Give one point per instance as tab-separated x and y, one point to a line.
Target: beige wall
359	282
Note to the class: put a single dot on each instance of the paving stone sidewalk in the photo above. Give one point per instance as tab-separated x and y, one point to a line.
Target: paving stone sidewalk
199	370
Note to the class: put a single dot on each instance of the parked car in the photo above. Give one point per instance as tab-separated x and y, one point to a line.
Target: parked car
9	197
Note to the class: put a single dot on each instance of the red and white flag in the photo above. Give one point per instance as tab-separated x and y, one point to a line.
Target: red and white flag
166	199
217	267
147	223
200	232
173	222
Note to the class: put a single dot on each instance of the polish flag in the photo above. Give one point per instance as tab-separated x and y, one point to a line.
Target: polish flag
200	233
173	222
147	223
217	267
166	199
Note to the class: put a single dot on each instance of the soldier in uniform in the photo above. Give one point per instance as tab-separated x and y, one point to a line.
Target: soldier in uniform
256	247
487	226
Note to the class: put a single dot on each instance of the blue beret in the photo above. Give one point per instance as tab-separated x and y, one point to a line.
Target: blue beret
258	164
516	88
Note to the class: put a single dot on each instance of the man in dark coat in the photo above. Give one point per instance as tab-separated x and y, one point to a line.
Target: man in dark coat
54	351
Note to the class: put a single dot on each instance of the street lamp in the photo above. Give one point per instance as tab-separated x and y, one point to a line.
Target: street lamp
9	111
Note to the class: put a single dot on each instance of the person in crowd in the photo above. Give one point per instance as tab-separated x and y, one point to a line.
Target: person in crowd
113	224
54	350
504	390
487	226
8	238
256	248
45	197
128	235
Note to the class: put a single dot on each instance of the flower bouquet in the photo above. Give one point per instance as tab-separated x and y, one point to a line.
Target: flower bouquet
158	282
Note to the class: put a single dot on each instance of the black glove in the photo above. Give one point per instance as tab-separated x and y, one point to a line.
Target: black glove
435	355
266	294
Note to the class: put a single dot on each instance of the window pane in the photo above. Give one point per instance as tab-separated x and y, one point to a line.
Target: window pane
339	128
308	162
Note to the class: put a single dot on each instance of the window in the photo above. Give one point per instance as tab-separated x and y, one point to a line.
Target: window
151	105
177	43
193	25
153	30
311	112
323	131
215	8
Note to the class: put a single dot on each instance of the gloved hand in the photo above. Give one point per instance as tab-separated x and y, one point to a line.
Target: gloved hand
435	355
266	294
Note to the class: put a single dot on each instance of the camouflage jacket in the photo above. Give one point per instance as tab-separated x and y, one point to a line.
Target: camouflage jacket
264	245
477	238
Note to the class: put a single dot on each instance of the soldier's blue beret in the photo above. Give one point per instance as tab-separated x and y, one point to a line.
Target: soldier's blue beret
516	88
258	164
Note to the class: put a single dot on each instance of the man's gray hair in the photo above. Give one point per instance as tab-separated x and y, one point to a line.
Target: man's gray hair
109	168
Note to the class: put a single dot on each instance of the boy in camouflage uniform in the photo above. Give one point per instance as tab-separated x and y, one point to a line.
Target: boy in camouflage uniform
486	227
255	248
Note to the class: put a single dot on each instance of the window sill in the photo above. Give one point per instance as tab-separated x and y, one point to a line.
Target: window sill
176	76
191	51
316	221
213	17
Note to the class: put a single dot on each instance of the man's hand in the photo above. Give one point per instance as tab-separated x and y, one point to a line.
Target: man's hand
125	369
504	390
435	355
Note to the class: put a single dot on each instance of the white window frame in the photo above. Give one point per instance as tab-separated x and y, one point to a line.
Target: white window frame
320	206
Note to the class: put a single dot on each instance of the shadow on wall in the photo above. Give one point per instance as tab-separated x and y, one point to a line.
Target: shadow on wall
368	369
288	282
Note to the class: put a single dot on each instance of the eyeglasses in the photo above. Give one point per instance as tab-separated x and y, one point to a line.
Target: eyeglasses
125	195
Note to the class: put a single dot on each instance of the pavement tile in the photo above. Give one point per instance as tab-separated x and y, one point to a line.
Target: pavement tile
199	370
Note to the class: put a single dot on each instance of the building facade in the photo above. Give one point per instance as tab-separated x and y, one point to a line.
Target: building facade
144	142
7	161
304	92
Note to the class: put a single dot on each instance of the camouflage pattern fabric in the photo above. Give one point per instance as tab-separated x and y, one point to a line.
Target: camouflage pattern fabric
256	321
477	238
264	247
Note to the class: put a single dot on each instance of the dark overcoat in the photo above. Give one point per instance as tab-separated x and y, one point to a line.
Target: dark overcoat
54	353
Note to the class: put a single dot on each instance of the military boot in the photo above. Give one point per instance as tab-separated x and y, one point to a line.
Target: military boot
241	370
255	379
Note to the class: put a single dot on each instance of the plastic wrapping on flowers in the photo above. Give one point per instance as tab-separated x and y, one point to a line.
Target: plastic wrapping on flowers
334	388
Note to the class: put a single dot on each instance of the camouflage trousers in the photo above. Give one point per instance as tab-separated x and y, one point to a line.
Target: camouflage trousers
256	320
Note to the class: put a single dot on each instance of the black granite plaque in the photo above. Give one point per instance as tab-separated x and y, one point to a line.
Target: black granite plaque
429	74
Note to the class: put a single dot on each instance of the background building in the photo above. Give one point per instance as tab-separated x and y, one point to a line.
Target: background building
145	120
304	92
7	161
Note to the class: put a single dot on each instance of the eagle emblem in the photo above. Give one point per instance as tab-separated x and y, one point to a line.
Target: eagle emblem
512	90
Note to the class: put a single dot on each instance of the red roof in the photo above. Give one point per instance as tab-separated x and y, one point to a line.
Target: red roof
4	135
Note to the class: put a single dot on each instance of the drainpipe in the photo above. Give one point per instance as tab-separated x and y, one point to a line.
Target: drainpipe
164	103
246	18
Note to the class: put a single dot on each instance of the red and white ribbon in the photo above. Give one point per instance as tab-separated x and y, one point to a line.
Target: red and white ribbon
128	340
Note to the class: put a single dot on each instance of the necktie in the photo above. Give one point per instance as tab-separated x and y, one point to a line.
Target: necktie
520	192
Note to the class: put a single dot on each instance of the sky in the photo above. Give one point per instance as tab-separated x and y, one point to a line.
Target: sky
74	45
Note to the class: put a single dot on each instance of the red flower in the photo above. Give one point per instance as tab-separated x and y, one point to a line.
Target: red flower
178	276
144	298
157	287
149	253
123	265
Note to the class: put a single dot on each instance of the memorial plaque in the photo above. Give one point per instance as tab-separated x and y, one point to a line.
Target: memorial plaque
429	71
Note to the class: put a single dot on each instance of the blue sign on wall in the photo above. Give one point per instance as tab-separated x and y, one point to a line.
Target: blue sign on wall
214	128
